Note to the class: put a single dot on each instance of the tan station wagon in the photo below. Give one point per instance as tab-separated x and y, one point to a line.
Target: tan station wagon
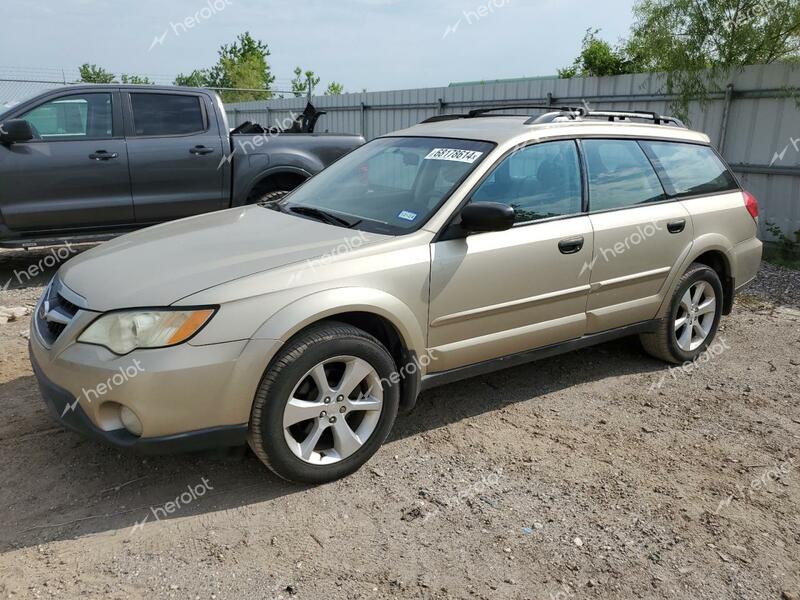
463	245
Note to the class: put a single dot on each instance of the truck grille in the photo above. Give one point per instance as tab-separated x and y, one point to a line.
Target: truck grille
55	313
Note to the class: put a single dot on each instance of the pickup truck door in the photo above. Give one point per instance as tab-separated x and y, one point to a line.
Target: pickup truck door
175	150
74	174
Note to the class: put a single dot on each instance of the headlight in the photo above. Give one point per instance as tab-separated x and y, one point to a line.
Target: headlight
123	332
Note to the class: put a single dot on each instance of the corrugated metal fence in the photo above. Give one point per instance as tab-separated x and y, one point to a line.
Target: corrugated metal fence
755	122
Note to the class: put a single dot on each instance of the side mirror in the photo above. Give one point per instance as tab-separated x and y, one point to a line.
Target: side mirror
15	130
481	217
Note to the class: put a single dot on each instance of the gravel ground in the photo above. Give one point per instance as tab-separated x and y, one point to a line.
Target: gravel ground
598	474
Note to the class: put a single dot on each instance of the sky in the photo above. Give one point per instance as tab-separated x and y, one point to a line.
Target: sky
363	44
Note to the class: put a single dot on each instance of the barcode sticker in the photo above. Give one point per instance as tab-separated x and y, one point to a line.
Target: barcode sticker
465	156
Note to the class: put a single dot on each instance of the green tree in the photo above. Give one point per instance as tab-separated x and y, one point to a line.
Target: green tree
135	79
94	74
334	89
698	42
242	64
304	83
598	58
197	78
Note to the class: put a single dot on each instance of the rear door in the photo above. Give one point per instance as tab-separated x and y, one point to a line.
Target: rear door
74	174
175	148
640	235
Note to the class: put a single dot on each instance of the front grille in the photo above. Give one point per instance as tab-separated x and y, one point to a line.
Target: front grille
55	313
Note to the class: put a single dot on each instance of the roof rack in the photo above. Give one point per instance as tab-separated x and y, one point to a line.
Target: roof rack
572	113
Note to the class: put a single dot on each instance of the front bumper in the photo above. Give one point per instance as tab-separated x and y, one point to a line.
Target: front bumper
185	397
58	400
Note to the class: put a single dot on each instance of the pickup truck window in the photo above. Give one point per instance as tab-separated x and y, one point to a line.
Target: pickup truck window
83	116
166	114
391	185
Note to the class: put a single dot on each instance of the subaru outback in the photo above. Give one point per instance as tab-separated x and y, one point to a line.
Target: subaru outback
463	245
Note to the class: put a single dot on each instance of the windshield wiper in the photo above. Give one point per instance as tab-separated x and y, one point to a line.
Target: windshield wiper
324	216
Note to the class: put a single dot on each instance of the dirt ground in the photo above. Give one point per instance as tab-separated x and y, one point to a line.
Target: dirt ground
599	474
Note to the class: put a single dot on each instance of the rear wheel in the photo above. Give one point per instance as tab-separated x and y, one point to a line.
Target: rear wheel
693	319
325	405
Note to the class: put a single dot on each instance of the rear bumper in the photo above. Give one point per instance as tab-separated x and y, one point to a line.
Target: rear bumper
65	410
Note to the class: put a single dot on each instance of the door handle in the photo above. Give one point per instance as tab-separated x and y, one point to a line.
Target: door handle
201	150
676	226
103	155
571	246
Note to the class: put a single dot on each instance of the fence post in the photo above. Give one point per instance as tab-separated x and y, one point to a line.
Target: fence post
364	120
726	110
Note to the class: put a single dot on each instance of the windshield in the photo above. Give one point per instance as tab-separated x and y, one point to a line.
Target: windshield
391	185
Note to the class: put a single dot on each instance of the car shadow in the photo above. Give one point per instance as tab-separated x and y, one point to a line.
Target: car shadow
59	486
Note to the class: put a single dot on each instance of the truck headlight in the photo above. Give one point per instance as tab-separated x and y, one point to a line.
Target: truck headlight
125	331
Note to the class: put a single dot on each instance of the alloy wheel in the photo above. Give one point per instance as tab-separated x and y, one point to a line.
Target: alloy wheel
696	313
333	410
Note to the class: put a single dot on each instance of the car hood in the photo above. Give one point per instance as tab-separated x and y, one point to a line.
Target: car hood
160	265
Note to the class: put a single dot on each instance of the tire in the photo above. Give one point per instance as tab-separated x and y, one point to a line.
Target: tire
269	197
315	449
669	341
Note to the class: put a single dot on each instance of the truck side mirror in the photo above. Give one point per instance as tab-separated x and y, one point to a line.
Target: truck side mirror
15	130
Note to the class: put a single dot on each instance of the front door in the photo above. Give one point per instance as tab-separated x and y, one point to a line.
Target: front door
74	174
496	294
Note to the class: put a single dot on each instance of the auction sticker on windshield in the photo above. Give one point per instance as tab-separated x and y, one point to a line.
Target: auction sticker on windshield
466	156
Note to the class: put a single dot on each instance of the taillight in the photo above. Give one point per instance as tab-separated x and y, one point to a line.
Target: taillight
751	204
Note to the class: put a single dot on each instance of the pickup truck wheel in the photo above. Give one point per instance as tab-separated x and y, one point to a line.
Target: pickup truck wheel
270	197
693	319
325	405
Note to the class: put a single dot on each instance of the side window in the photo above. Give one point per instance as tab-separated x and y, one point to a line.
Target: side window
82	116
689	169
166	114
539	181
620	175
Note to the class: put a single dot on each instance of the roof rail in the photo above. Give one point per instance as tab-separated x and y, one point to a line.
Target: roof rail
565	112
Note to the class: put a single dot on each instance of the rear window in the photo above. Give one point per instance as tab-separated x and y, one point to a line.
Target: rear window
689	169
166	114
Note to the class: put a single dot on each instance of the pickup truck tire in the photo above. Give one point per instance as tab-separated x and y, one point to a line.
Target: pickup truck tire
271	197
693	318
302	427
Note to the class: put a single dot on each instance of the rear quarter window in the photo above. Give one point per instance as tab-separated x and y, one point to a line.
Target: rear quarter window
689	169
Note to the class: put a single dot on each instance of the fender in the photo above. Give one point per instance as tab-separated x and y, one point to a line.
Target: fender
307	310
705	243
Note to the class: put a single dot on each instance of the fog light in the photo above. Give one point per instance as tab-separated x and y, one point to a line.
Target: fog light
130	421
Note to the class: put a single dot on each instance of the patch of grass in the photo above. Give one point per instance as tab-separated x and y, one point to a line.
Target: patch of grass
786	263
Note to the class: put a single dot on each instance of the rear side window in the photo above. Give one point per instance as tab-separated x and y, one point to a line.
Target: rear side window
689	169
620	175
166	114
539	182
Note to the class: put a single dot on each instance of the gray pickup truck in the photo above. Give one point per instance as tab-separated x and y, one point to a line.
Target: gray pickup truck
89	162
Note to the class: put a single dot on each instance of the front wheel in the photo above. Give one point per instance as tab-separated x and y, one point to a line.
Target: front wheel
693	319
325	405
